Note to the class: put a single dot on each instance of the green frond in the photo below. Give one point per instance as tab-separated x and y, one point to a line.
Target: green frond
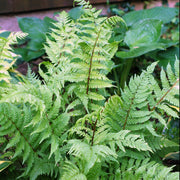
136	109
63	18
95	96
100	84
43	167
133	153
20	139
60	123
115	21
169	90
144	169
7	57
81	53
125	139
55	107
16	97
78	148
72	172
171	76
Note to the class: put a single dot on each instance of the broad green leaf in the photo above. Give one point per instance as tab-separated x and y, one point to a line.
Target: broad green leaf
5	34
76	12
35	27
135	52
28	54
35	44
144	32
165	57
49	22
164	14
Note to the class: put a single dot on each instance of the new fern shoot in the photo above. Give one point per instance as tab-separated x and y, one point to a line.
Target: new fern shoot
65	126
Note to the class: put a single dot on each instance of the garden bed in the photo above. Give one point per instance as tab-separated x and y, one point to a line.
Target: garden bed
99	98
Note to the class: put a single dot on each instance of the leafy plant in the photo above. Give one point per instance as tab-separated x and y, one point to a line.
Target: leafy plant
32	47
7	57
143	40
61	125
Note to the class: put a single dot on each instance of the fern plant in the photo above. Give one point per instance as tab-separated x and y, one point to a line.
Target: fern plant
62	127
7	57
131	126
83	57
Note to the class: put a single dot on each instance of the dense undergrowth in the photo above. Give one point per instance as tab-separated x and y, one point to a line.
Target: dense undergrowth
72	120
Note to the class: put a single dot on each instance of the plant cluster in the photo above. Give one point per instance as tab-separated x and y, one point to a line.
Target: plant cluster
64	124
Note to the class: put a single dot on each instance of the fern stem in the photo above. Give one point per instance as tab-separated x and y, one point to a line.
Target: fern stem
49	122
165	95
127	115
125	72
61	52
94	129
90	67
117	81
22	135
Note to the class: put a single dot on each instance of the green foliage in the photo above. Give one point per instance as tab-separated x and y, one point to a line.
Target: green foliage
32	47
82	58
146	39
63	126
7	57
164	14
149	31
148	24
132	127
133	169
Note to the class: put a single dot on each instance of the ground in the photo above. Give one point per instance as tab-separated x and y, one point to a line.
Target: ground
9	21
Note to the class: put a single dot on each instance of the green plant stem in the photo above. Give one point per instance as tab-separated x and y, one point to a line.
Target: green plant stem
125	72
127	115
94	129
117	81
90	67
49	122
22	135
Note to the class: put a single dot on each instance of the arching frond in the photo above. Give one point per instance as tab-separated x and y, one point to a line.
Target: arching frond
7	57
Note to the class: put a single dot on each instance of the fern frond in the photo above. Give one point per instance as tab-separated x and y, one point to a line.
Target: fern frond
93	153
134	169
71	171
125	139
169	90
7	57
158	143
20	139
115	21
132	111
82	57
